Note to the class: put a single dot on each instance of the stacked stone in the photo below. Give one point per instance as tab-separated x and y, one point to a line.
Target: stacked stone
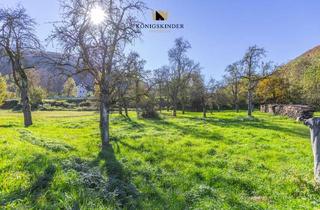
292	111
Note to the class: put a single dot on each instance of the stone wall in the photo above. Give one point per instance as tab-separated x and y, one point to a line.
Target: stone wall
293	111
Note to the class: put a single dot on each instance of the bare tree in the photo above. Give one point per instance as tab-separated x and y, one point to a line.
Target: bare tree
251	62
98	49
136	69
233	77
181	69
201	89
17	37
161	79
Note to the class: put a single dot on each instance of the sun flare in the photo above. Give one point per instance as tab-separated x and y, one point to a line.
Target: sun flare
97	15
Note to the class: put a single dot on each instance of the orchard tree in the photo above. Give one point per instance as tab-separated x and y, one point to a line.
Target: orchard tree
181	68
70	88
251	63
199	89
94	34
273	89
233	77
135	65
161	77
17	37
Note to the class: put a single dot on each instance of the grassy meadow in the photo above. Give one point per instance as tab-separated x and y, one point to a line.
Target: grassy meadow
226	161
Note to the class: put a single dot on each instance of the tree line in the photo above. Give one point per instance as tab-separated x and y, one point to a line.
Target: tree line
120	79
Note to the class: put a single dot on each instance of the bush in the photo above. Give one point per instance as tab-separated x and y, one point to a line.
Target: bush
37	95
10	104
148	108
85	104
61	104
76	101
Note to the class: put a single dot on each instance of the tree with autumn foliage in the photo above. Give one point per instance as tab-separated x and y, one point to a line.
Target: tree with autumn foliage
273	89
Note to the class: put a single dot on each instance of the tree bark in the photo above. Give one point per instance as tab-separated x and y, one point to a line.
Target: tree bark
126	110
137	97
26	108
237	107
204	112
120	109
314	125
160	104
315	142
183	108
236	103
249	103
174	108
174	111
104	120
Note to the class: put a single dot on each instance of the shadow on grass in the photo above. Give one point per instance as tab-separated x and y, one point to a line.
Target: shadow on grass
41	184
119	183
231	185
160	124
10	125
132	124
235	122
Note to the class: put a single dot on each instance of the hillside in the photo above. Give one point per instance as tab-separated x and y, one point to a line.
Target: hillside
303	76
51	77
227	161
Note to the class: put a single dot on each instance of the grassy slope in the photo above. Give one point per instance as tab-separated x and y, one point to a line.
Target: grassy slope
226	161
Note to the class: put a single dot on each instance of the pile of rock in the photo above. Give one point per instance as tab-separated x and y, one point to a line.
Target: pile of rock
293	111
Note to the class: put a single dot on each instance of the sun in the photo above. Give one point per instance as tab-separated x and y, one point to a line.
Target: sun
97	15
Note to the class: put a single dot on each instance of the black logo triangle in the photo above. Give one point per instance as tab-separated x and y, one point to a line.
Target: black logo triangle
159	16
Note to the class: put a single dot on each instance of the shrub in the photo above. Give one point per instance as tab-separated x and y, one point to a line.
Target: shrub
3	89
85	104
37	95
148	108
10	104
70	88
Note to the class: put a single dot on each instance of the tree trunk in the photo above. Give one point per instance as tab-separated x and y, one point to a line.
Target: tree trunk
104	120
174	110
120	109
126	110
160	104
236	103
26	108
204	112
316	155
137	98
249	103
315	143
183	108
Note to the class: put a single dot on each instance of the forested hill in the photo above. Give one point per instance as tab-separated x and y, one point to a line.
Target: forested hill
302	63
303	75
296	82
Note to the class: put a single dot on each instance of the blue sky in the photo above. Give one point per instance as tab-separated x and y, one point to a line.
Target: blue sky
219	31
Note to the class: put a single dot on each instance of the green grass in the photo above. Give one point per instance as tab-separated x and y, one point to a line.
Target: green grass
224	162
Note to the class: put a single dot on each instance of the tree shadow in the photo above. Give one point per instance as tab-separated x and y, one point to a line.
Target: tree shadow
119	181
235	122
39	186
238	186
159	124
258	124
132	124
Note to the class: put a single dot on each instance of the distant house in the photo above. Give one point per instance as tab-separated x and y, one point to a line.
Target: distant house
82	91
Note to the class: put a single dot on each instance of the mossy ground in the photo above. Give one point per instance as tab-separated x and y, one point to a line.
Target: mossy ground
226	161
